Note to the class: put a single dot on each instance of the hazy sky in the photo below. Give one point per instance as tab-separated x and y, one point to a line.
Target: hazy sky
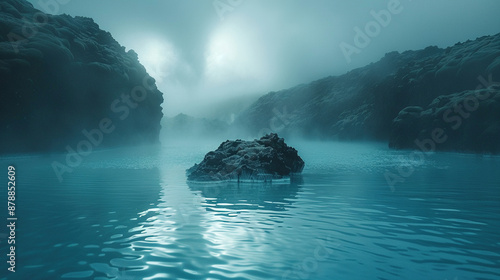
206	51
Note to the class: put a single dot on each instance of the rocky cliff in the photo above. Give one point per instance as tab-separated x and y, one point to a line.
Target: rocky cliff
64	80
467	121
363	103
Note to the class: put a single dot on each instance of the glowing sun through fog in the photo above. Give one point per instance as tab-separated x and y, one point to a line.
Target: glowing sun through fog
234	55
199	57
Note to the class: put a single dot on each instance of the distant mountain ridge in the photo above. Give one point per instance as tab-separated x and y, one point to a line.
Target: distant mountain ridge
364	103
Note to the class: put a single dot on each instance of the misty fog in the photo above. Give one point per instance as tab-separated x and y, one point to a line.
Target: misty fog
250	139
206	54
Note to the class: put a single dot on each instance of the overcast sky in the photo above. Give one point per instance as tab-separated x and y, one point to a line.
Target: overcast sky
205	51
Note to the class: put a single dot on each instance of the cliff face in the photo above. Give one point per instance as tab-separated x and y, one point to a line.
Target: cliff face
363	103
64	80
466	121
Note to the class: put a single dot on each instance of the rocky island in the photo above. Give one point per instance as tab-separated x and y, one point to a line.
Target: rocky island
266	158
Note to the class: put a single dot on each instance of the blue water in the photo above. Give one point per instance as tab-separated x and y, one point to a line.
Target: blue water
129	214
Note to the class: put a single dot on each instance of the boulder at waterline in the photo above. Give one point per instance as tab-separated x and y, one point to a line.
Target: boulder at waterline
266	158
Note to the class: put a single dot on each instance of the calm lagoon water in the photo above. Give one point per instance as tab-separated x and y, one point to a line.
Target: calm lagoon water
126	214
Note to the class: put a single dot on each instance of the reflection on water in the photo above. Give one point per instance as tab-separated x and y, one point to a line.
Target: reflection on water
132	215
229	197
64	229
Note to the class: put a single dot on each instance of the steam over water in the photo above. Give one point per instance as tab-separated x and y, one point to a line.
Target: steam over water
126	214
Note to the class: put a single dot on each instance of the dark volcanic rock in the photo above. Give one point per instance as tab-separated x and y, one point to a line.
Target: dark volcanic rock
468	121
266	158
60	75
362	103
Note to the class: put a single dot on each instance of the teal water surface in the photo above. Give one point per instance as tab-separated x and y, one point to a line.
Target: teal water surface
130	214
